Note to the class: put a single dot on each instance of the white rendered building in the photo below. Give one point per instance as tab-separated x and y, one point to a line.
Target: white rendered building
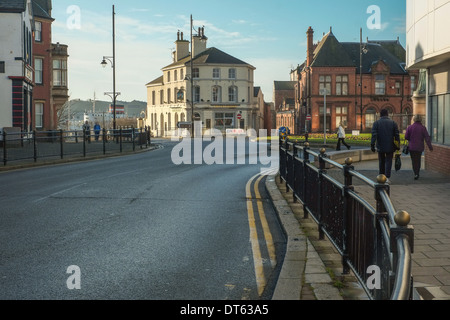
16	72
222	91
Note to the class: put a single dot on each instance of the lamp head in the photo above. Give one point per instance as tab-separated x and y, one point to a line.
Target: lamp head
104	63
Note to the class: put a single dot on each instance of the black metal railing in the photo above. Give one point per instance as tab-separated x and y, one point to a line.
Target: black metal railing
375	241
36	145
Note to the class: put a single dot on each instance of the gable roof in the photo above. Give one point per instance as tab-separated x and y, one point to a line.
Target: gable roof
331	53
210	56
157	81
284	85
375	53
42	9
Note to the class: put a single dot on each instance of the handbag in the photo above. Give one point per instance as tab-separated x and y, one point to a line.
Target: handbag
406	149
398	162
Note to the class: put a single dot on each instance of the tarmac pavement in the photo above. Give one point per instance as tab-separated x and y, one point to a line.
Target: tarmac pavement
312	267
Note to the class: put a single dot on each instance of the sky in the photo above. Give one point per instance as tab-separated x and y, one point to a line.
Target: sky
270	35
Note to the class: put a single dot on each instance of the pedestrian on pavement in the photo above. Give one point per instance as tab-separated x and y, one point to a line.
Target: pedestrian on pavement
417	135
385	141
87	131
97	130
341	138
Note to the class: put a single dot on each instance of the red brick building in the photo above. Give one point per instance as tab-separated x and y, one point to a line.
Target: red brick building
284	100
335	66
50	65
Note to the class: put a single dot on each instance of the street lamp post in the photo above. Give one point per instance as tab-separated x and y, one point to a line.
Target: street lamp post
362	50
112	60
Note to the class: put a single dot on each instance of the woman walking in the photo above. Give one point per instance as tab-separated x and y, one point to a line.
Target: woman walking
341	138
417	135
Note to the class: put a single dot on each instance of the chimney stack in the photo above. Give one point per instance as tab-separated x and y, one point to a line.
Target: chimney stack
310	47
182	47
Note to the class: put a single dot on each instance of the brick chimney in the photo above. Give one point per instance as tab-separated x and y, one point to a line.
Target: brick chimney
310	47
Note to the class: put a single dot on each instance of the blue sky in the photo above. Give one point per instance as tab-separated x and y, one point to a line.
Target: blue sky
270	35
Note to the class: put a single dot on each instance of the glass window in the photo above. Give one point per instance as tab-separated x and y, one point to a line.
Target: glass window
39	115
232	74
216	73
38	31
175	75
224	121
197	94
371	117
217	94
38	63
196	73
168	76
398	88
2	66
342	116
325	83
380	84
447	120
342	85
59	73
232	94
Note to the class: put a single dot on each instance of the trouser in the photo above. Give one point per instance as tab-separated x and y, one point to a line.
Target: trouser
385	161
416	159
341	140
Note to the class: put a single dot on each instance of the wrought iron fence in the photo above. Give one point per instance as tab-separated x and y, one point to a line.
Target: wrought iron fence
368	238
36	145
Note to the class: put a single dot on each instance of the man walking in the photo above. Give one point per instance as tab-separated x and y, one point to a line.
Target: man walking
386	138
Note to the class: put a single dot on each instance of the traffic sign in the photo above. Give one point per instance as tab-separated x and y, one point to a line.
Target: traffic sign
308	118
239	116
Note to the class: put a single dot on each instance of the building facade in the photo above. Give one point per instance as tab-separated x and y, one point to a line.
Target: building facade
353	82
284	100
50	65
428	51
221	88
33	71
16	65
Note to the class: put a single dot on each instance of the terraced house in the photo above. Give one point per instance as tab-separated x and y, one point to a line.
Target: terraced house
220	86
355	81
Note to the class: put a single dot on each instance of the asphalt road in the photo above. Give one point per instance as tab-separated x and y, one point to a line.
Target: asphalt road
135	227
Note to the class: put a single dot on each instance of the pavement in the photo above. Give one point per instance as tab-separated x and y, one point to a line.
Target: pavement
312	269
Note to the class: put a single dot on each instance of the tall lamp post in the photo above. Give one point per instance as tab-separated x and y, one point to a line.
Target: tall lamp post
112	60
362	50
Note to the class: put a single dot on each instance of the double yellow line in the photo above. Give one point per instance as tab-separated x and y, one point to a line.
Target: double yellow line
261	280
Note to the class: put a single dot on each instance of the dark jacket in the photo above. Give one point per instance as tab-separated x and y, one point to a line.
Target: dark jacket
417	135
384	133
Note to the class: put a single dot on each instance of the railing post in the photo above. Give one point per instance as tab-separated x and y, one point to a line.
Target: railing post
348	186
61	136
104	141
84	143
305	176
401	231
381	214
120	139
320	197
132	138
5	153
34	146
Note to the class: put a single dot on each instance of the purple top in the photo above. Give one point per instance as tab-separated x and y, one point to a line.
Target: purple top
417	135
